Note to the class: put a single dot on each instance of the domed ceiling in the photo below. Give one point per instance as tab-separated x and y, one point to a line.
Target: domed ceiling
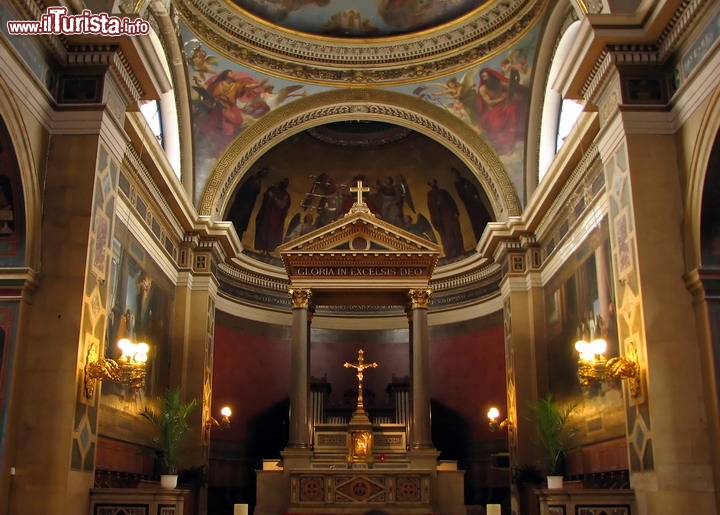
352	19
430	38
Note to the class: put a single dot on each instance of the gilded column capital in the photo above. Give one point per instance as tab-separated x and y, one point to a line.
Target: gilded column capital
300	297
419	298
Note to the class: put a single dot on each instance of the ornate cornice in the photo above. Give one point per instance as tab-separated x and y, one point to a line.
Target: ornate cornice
648	53
342	61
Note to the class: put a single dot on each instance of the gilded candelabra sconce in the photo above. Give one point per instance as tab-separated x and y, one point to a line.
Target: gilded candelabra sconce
594	368
224	422
128	370
493	415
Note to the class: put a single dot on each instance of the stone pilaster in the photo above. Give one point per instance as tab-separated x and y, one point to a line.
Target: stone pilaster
666	422
525	346
85	146
192	342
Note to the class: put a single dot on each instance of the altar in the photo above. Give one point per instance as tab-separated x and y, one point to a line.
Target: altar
370	462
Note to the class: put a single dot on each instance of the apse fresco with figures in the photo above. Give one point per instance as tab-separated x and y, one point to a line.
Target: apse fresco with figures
279	200
580	305
348	18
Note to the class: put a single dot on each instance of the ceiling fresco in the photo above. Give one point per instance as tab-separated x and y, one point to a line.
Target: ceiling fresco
492	97
349	18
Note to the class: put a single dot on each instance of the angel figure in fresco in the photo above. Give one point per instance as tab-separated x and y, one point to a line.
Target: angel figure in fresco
420	227
201	62
516	67
390	197
325	197
274	98
501	110
462	96
223	98
297	228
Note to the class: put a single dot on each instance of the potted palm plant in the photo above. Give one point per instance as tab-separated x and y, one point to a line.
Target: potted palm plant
170	421
554	435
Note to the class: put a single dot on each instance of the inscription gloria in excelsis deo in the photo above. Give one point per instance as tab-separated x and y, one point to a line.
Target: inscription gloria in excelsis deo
360	271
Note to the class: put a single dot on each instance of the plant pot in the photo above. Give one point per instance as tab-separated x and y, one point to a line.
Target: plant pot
555	482
168	481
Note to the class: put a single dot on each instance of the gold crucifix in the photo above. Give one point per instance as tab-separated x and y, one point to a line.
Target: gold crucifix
360	366
360	190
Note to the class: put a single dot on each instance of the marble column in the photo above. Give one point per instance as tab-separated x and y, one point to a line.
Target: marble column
299	370
420	432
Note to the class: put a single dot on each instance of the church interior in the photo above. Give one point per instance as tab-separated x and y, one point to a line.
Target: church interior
363	244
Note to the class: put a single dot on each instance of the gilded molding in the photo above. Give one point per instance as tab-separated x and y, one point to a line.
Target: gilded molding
292	55
300	297
401	109
419	298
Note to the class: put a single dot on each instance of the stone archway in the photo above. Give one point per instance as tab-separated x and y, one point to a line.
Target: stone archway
360	104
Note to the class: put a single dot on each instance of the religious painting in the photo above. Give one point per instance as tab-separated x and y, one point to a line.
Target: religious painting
102	235
622	236
492	98
586	312
11	203
446	206
226	98
346	18
140	309
3	360
710	210
645	89
7	317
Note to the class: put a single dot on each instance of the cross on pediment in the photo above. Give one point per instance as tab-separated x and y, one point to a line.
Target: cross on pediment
360	190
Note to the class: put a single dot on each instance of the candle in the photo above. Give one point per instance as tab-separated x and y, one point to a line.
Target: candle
493	509
241	509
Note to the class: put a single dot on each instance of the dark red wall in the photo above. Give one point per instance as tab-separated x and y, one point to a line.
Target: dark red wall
251	374
467	376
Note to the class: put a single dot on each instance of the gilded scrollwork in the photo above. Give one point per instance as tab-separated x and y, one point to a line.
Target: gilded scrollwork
391	60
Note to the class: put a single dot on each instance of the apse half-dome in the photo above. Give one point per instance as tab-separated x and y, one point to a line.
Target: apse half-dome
311	180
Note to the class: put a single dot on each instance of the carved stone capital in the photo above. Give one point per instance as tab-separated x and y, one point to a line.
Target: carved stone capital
419	298
300	297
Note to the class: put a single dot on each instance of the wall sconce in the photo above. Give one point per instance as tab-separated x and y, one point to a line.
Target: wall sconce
594	368
493	415
128	370
224	423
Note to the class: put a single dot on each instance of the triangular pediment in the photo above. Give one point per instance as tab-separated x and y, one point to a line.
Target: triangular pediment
359	231
359	252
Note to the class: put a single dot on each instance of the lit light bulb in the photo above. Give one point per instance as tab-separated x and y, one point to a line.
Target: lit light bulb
598	346
124	344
